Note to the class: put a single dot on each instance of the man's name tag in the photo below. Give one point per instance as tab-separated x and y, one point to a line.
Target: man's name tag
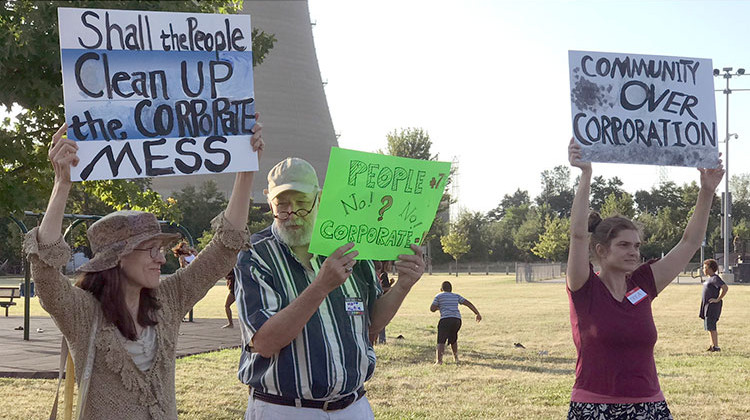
636	295
355	307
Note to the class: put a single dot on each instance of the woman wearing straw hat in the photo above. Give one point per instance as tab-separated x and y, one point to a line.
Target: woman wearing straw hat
121	321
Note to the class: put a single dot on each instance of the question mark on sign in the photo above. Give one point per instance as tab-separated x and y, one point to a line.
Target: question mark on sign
389	200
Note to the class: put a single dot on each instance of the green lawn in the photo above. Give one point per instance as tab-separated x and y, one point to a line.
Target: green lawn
495	380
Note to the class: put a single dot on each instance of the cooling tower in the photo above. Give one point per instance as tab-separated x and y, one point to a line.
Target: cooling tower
289	97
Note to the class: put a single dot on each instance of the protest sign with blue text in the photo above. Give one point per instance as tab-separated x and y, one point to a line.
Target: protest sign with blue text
155	93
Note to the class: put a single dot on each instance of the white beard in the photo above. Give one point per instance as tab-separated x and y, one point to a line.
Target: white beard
299	237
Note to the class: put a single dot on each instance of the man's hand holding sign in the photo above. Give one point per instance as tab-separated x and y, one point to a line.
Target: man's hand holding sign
630	109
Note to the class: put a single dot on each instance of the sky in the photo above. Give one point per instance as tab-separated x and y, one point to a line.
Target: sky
489	80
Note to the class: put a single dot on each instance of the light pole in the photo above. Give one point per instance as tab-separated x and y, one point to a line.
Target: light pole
727	74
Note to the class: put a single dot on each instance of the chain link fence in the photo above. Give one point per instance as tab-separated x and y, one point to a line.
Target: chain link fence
532	272
473	268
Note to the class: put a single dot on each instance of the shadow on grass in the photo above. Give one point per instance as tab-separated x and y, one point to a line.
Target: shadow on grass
417	353
522	363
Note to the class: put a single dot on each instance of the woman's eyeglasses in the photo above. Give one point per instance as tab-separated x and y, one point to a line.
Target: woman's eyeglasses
154	251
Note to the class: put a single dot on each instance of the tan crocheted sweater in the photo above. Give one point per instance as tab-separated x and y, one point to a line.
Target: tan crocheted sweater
118	389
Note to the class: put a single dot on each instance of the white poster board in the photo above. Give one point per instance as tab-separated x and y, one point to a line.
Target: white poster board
655	110
157	93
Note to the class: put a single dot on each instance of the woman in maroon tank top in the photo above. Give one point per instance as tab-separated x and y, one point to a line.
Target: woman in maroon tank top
610	312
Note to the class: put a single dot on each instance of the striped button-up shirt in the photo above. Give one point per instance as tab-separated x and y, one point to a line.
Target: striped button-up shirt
332	356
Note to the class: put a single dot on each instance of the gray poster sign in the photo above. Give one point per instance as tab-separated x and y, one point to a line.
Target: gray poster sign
654	110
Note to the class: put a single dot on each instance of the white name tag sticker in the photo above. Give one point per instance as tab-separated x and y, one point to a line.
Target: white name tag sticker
636	295
355	307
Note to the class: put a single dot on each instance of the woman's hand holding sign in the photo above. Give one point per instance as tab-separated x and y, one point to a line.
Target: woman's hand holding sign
239	201
574	156
711	177
62	153
256	141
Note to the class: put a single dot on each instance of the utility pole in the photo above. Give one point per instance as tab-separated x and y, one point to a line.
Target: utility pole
727	204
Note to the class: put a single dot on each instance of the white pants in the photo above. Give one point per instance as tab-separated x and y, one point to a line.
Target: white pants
261	410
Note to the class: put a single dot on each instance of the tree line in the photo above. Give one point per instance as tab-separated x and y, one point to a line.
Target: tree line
524	229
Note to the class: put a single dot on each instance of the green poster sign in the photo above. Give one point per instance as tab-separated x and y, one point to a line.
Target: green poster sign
381	203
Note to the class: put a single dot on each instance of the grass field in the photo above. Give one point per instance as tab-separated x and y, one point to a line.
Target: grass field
495	379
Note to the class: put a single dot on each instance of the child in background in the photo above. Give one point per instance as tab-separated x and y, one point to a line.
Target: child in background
711	301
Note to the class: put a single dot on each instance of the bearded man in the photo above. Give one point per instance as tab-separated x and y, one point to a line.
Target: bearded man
306	319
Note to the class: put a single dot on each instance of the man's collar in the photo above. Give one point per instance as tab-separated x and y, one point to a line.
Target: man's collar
275	233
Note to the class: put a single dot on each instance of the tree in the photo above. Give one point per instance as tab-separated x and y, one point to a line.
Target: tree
665	195
740	210
10	246
664	213
473	225
528	234
411	142
455	244
200	206
258	219
553	244
557	193
602	188
739	185
742	231
499	235
618	205
519	198
30	78
499	240
203	240
661	232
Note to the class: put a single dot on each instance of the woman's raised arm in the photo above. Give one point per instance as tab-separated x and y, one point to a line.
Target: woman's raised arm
239	201
62	153
578	255
57	296
666	269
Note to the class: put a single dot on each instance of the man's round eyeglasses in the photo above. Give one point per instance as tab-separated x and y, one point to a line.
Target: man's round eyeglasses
283	215
154	251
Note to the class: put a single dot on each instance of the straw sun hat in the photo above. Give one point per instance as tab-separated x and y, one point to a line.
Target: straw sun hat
118	233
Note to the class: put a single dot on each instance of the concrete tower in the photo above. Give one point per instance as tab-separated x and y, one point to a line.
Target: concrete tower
289	97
